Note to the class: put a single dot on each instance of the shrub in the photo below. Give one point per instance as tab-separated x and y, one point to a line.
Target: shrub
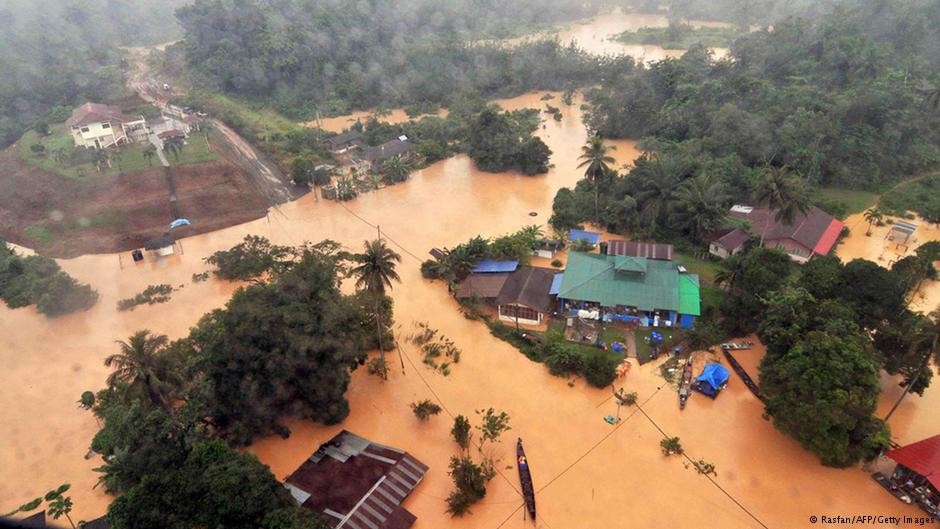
557	263
470	480
564	361
151	295
671	446
37	148
461	431
599	370
251	258
424	409
378	366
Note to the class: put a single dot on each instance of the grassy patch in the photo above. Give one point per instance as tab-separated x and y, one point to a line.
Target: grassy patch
919	195
705	268
254	121
61	157
680	37
40	234
844	202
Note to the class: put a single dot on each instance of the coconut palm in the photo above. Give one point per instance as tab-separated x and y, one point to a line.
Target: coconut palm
658	179
783	195
174	144
728	272
873	215
700	205
927	342
396	169
141	362
149	152
596	160
375	273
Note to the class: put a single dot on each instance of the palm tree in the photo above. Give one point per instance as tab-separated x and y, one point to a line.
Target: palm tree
873	215
928	343
149	152
375	273
396	169
728	272
174	144
596	160
141	362
658	179
700	205
783	195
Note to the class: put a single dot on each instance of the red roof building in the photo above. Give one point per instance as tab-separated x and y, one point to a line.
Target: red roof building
810	234
353	483
923	457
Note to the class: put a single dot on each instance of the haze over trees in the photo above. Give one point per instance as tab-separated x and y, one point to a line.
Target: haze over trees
56	54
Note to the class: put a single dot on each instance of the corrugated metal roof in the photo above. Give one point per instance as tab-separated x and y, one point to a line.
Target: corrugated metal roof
650	250
581	235
556	284
592	277
636	265
690	297
922	457
491	266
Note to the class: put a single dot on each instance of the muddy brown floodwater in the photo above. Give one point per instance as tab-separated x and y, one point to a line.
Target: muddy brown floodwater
586	472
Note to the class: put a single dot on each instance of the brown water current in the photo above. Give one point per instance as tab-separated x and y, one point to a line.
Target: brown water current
586	472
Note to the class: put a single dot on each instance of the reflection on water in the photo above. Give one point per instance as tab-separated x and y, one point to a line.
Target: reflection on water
622	481
595	36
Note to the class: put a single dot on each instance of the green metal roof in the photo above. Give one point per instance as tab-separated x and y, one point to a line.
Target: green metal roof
690	301
630	264
594	277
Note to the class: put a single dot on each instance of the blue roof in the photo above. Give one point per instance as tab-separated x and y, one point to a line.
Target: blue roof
581	235
491	266
714	375
556	284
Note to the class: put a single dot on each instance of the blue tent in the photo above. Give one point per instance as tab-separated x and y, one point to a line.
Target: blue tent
713	377
581	235
179	222
490	266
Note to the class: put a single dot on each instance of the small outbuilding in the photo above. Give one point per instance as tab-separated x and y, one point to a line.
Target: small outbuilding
712	380
728	242
163	246
918	472
590	237
547	248
344	141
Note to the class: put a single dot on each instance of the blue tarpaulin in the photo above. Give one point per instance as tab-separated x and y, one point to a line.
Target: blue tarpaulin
686	321
581	235
556	285
490	266
712	378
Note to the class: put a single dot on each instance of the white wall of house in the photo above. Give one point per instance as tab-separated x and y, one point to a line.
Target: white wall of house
105	134
511	318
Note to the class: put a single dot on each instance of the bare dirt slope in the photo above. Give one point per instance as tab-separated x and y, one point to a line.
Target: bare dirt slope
65	218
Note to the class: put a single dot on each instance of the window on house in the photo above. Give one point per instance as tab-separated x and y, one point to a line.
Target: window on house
523	313
106	125
84	129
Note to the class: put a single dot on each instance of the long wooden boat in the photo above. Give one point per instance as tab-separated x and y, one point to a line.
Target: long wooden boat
525	478
736	366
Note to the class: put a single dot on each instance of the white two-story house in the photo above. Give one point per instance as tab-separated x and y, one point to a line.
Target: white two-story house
99	126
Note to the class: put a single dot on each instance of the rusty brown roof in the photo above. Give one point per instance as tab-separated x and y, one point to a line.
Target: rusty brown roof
649	250
528	286
98	113
483	286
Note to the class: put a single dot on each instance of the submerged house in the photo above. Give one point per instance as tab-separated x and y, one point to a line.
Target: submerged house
373	157
520	294
344	141
918	472
98	126
354	483
638	290
812	233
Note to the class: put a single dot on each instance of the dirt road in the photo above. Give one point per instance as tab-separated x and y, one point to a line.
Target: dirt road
270	181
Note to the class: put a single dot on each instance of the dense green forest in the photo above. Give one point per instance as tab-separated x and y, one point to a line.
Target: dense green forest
284	346
305	56
848	100
62	52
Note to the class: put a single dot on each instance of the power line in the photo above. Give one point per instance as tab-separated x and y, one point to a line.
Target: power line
384	236
598	443
707	476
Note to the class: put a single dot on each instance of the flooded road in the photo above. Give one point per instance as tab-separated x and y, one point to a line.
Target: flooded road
586	472
595	35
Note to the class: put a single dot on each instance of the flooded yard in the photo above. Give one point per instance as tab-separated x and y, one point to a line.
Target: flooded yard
587	473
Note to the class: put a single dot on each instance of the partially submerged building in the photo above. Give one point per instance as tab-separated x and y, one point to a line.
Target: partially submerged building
810	234
374	157
520	294
918	472
354	483
638	290
343	142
